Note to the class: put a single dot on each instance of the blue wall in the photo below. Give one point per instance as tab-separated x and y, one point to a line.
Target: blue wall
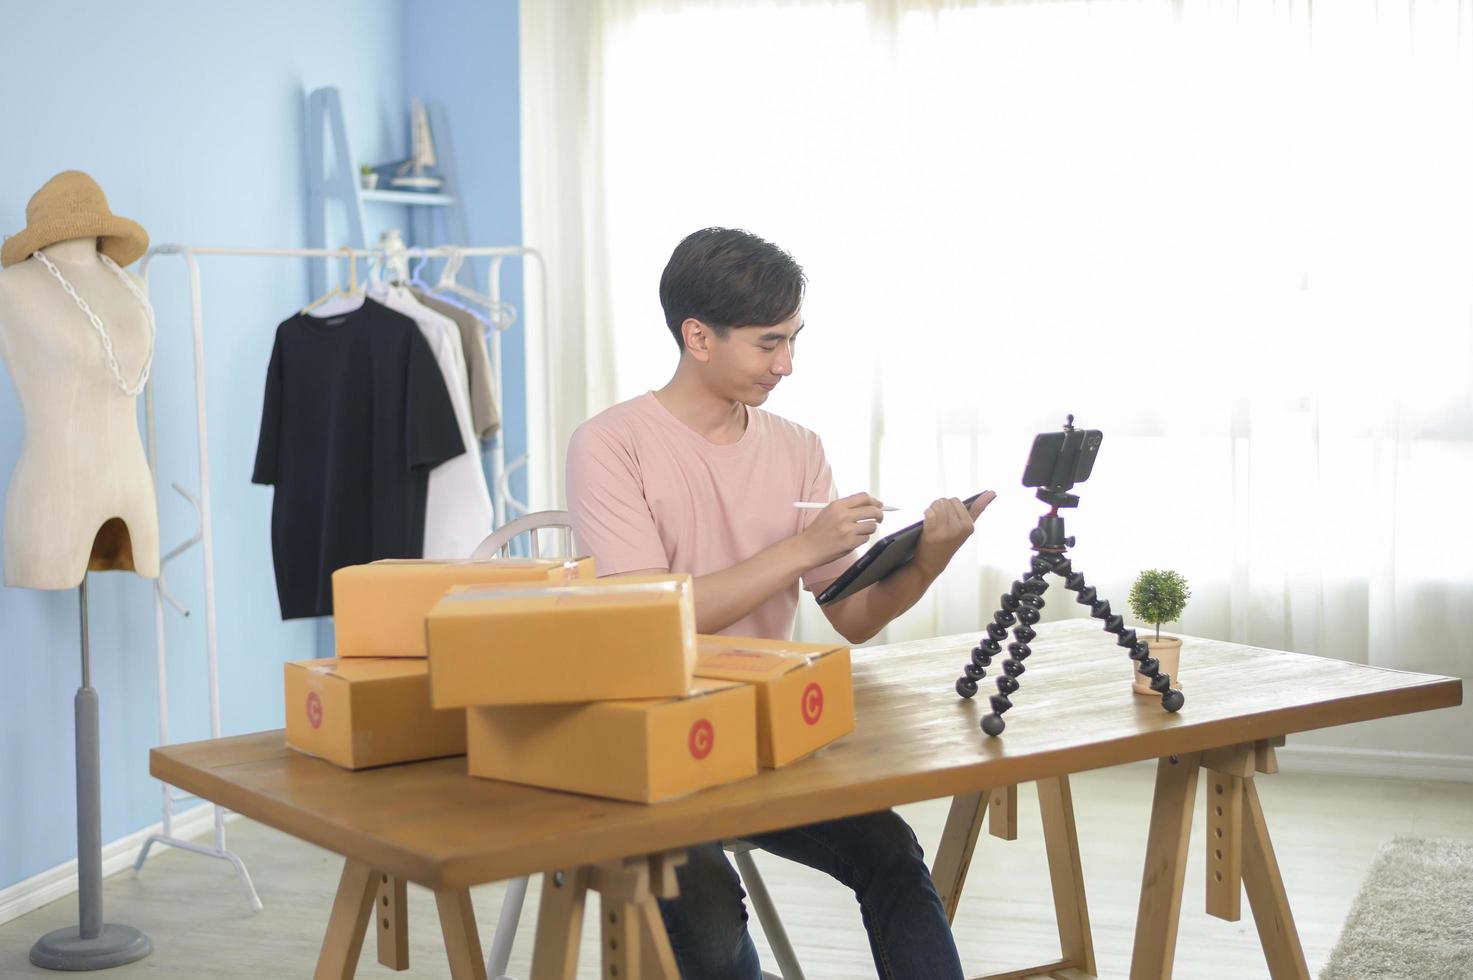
190	116
454	61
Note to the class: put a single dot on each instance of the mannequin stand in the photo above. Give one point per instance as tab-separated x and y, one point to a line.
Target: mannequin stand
93	944
1021	605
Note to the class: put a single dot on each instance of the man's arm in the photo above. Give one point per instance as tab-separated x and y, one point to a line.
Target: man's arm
861	616
724	597
948	523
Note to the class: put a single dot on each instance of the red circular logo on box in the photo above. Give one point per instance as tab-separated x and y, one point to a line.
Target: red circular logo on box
702	737
314	709
812	703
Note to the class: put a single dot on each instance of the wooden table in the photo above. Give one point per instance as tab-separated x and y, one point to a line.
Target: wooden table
915	740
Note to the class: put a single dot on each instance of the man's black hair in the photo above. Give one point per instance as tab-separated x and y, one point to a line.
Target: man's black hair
727	277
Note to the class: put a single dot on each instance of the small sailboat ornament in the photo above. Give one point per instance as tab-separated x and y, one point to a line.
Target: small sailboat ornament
413	173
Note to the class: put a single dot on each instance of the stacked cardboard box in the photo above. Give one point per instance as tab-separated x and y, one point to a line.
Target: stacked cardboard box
370	705
805	696
589	687
379	609
547	676
359	712
591	640
641	749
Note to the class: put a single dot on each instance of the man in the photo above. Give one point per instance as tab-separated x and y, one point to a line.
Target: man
697	478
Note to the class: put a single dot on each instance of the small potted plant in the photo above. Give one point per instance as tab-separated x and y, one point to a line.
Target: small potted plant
367	176
1159	597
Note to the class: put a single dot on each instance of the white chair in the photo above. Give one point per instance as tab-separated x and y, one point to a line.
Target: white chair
772	925
498	543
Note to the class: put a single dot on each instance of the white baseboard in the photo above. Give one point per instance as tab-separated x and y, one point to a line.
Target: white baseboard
61	881
1333	760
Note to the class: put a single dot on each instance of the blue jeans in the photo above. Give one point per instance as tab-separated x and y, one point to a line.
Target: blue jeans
876	855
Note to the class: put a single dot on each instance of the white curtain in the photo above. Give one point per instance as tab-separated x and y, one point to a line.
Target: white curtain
1236	237
569	372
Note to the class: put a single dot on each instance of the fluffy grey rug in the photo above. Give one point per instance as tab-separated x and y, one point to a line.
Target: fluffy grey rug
1413	918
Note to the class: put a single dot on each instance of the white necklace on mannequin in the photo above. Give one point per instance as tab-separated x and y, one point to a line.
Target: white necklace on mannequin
107	341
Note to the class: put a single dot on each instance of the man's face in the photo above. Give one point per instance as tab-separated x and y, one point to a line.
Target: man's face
747	364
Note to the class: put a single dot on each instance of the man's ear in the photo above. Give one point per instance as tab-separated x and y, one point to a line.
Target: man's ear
697	338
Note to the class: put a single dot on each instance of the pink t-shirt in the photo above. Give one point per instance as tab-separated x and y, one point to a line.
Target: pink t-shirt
648	491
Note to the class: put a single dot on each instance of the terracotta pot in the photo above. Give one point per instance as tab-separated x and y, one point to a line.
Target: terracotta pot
1168	651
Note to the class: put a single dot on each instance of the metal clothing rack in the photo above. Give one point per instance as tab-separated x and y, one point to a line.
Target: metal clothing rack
502	499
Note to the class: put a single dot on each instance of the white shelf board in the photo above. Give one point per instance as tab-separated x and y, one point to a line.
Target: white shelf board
407	197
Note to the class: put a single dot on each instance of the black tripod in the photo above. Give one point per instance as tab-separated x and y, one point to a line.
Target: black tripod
1021	605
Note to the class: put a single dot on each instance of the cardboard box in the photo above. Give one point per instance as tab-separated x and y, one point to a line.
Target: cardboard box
590	640
805	693
641	750
359	713
379	609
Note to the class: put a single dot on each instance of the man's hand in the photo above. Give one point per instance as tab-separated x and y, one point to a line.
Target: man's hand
948	524
842	526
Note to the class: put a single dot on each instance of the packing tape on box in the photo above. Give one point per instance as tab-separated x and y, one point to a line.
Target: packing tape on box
501	593
807	657
501	562
590	595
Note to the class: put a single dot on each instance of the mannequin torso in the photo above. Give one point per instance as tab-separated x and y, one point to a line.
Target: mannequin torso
81	496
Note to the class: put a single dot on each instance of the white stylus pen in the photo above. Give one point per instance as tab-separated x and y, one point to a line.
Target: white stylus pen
820	505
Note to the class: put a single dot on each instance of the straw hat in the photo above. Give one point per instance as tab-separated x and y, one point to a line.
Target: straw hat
71	205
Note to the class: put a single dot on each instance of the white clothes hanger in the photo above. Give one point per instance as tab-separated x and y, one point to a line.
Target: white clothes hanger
502	314
352	292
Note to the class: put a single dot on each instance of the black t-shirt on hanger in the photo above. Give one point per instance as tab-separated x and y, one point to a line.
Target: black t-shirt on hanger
356	415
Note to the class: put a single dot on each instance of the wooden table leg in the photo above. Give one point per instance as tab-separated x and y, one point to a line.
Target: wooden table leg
620	926
391	913
560	924
625	891
1228	770
1266	896
1239	856
1165	868
1002	813
658	958
1066	874
1061	841
1265	761
632	933
347	923
954	853
462	941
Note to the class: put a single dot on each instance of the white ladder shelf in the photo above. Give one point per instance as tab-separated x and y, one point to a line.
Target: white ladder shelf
335	178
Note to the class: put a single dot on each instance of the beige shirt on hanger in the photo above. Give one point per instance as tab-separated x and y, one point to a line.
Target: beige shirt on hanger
485	410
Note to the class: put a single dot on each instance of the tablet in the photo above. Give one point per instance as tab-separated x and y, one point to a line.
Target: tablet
883	557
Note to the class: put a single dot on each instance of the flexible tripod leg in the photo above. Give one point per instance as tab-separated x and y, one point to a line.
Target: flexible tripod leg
997	632
1140	652
1020	604
1030	601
